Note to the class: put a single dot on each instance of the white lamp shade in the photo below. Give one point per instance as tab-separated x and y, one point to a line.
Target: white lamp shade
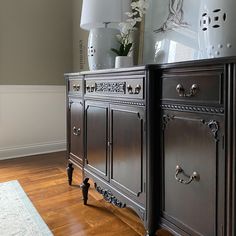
95	13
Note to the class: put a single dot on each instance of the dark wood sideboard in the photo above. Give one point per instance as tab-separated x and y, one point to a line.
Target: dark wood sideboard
160	139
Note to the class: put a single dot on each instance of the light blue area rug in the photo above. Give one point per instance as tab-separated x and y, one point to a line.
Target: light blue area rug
18	216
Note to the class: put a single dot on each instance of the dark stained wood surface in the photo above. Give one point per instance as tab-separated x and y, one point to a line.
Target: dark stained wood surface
76	130
128	166
97	133
44	179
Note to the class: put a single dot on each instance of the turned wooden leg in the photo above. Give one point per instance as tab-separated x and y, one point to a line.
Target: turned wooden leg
85	187
70	170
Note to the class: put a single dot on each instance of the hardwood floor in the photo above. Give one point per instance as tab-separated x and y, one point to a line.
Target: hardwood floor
44	179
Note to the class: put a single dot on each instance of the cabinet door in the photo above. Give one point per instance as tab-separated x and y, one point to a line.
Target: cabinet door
76	148
96	117
193	143
127	155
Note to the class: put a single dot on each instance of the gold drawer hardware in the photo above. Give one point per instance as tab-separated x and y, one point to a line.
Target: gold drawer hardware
76	131
76	87
137	89
91	88
194	176
192	92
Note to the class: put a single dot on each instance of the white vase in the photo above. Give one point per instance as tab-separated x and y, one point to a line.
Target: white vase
100	42
217	36
123	61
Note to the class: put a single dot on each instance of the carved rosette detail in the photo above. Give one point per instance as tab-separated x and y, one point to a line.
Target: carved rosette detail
109	197
165	120
213	126
112	87
193	108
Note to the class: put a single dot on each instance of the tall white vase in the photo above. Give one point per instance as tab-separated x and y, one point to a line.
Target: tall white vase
217	20
100	42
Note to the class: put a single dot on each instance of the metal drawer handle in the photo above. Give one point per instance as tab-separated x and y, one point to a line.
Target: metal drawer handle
92	88
88	88
137	89
194	176
76	87
76	131
192	92
130	89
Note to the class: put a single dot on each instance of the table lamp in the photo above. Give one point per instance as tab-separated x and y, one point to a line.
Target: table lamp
102	18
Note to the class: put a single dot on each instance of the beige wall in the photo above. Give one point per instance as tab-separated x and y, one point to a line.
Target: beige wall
35	41
39	40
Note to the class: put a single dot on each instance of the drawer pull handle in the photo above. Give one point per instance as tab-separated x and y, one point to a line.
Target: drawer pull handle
194	176
76	87
76	131
130	89
90	89
137	89
192	92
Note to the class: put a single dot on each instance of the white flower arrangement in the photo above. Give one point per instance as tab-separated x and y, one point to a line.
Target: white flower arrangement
139	8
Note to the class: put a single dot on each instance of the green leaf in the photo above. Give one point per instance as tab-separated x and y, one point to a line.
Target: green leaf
127	49
115	51
122	48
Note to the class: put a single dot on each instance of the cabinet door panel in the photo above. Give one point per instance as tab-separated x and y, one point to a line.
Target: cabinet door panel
97	138
127	134
190	142
76	131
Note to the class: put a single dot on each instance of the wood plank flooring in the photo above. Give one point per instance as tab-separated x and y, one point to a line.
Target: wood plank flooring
44	179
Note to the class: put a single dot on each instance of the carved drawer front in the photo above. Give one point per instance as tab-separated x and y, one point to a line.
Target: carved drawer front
131	88
203	87
192	192
75	86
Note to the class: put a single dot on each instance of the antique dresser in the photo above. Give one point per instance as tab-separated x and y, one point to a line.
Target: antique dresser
160	139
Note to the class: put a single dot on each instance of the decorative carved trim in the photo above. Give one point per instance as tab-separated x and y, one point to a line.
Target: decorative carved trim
110	87
129	103
165	120
123	102
70	104
193	108
213	126
142	214
109	197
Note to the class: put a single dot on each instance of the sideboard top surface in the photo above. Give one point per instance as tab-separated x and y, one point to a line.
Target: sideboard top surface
204	62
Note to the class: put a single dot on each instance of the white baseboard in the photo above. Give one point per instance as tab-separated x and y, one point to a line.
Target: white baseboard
34	149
